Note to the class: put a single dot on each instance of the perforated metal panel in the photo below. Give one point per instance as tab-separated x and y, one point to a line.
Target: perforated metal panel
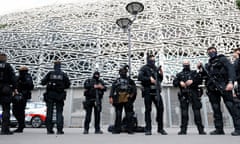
86	37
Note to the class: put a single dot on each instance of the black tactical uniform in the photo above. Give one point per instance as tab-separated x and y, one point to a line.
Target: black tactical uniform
7	84
123	93
93	100
220	73
56	81
237	92
24	86
189	94
149	93
236	65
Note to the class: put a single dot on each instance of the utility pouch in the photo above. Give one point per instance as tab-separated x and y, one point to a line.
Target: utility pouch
123	97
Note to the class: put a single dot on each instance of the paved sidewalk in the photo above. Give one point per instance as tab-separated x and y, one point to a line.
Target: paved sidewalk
75	136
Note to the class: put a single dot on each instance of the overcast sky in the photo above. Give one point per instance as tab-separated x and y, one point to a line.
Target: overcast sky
8	6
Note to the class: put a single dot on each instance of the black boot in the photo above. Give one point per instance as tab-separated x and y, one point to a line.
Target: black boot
217	132
235	133
18	130
60	131
183	131
50	131
162	131
201	130
85	131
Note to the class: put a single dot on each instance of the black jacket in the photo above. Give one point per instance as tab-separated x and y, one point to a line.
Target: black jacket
56	84
146	72
131	89
220	69
187	75
90	91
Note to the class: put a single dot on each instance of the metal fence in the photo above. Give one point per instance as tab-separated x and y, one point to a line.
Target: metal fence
74	113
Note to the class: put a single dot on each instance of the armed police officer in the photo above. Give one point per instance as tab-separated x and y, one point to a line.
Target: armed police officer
236	64
122	95
236	95
57	81
7	87
219	74
151	77
188	81
24	87
94	91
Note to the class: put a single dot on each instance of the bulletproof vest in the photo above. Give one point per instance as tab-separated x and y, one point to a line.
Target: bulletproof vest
122	89
56	77
217	69
122	84
2	71
186	75
56	81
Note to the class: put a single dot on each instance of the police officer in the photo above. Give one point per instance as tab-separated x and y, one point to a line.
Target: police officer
236	95
220	75
122	95
24	87
7	85
94	90
57	81
151	77
188	81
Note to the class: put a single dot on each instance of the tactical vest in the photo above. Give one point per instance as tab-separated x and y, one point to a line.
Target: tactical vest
217	69
56	81
122	90
185	75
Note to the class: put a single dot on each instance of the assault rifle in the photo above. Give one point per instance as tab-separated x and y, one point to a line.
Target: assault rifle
98	101
157	84
213	80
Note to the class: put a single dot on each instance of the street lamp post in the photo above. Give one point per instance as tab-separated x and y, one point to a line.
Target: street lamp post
125	23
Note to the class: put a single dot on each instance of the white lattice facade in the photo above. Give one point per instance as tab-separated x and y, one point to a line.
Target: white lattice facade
84	37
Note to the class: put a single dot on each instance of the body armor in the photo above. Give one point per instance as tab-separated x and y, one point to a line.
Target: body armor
56	81
123	90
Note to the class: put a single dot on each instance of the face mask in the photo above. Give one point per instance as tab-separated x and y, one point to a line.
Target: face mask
151	62
57	67
186	67
123	75
212	54
22	72
96	77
